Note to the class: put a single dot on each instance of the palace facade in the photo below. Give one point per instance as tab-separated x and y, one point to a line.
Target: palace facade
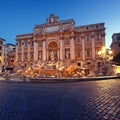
1	53
60	41
115	45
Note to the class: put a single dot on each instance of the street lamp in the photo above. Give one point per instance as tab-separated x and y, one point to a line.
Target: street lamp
105	54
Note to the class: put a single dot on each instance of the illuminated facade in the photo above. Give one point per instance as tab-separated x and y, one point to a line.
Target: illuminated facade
1	53
61	42
115	45
9	56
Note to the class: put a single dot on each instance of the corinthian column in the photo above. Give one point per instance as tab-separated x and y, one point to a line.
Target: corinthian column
103	39
83	47
61	49
16	52
93	47
22	51
44	50
28	51
72	48
35	51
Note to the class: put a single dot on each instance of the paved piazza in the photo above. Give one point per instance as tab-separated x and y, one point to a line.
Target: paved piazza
91	100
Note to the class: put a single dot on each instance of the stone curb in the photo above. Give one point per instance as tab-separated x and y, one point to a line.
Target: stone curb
63	80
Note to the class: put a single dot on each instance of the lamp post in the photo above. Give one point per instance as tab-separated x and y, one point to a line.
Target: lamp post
106	56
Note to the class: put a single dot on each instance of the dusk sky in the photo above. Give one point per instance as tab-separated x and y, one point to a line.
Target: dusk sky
20	16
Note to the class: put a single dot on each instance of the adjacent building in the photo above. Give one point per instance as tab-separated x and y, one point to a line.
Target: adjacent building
9	56
1	53
115	45
60	41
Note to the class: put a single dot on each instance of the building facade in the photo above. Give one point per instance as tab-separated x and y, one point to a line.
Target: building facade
9	56
1	53
60	41
115	45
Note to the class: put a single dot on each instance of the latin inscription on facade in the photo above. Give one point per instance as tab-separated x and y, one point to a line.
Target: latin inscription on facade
52	29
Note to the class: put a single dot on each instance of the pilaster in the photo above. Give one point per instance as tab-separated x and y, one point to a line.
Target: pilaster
83	47
28	51
61	49
35	51
72	48
93	47
16	54
22	51
44	50
103	39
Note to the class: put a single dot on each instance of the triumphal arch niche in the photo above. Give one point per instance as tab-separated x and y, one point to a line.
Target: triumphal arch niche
53	51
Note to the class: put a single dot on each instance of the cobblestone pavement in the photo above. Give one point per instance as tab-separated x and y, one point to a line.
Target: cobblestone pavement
91	100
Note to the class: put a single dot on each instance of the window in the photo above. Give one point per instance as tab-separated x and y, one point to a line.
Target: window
98	37
88	53
88	38
19	44
78	54
77	39
31	56
118	45
12	60
118	37
19	56
88	63
99	64
25	43
79	64
96	26
25	55
1	42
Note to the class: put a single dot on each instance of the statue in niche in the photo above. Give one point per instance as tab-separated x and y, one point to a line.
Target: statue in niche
51	56
56	57
40	56
67	54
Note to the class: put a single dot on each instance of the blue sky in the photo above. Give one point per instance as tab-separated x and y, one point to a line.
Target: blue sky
20	16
